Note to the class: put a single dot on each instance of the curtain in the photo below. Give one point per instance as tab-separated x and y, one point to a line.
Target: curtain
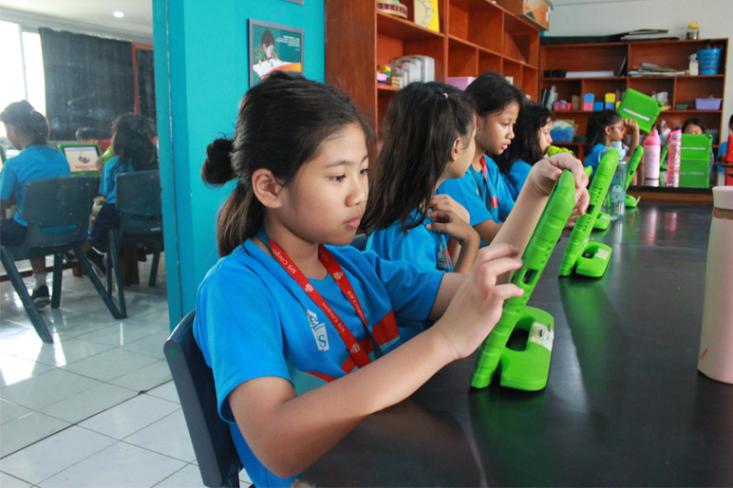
146	82
89	82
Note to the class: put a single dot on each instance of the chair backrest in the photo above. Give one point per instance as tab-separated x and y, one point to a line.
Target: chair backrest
138	202
57	211
215	452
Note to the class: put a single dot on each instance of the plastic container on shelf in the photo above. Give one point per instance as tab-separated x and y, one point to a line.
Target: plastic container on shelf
707	103
708	60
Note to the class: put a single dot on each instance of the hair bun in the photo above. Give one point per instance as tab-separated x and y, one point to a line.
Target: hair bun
217	168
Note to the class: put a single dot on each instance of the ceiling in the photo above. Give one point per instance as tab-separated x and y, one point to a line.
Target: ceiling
92	16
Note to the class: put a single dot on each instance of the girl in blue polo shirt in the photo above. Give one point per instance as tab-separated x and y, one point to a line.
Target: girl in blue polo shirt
605	127
134	150
497	103
306	335
27	130
531	142
428	137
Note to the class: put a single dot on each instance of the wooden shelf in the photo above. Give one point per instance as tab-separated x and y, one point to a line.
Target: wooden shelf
387	88
475	36
466	43
404	29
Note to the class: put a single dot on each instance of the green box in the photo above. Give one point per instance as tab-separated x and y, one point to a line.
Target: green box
640	107
695	158
696	146
695	174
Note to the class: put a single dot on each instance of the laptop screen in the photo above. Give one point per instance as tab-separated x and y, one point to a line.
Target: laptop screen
82	158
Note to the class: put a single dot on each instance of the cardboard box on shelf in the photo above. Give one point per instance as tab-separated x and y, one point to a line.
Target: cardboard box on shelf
538	11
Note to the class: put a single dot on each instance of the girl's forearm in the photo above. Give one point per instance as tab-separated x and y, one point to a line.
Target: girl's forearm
292	433
519	225
469	251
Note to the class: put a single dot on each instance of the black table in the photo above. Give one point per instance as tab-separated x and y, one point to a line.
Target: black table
625	405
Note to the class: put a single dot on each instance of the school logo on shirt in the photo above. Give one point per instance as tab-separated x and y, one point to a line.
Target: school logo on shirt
319	331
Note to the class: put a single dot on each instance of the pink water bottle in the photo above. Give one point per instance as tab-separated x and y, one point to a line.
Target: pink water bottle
652	148
673	160
716	342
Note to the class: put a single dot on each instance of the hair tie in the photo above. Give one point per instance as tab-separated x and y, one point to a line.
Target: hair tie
445	95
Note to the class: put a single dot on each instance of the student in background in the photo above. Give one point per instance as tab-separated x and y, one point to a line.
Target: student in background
133	151
85	135
497	103
428	138
27	131
693	125
531	142
604	128
306	335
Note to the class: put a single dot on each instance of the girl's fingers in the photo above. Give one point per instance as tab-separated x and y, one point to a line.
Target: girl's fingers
496	251
507	291
498	267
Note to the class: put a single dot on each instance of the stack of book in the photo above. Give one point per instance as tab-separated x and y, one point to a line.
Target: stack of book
650	69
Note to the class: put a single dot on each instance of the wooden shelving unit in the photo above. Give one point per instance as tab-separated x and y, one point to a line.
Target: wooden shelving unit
610	56
475	36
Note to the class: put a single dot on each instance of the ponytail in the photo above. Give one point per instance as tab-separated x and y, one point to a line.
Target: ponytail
242	214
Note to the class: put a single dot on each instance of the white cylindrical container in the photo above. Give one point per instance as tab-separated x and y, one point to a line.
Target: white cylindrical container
716	342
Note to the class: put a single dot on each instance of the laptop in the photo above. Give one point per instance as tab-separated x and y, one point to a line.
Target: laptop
82	158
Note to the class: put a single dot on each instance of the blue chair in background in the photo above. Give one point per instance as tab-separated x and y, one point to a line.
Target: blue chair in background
141	223
215	452
57	211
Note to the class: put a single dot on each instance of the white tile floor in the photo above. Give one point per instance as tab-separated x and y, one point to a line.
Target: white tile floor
97	407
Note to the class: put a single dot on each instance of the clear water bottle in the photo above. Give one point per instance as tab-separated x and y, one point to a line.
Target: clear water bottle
617	192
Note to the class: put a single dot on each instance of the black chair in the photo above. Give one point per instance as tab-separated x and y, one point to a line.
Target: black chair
141	223
57	211
212	442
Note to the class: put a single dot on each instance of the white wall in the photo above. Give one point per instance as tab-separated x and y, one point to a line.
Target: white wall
603	17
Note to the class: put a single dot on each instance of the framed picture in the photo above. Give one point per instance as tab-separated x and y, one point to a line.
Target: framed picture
273	48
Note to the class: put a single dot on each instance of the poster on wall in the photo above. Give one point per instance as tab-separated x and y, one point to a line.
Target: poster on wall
273	48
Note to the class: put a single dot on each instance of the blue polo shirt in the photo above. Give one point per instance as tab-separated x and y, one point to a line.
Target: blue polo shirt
463	190
518	173
253	320
493	190
107	184
32	164
422	247
594	158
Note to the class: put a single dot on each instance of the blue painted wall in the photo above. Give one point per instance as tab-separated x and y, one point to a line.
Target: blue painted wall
201	60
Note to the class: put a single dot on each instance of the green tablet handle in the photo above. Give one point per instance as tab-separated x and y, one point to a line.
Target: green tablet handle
584	225
634	164
534	259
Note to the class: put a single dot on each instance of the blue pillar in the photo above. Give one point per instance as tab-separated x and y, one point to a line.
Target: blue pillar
201	74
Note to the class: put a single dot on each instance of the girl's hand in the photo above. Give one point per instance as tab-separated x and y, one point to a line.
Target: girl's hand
446	202
448	222
477	305
547	171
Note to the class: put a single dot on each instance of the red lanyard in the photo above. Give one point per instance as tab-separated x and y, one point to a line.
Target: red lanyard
333	268
484	170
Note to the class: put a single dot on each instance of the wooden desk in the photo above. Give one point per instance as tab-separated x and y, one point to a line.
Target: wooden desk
624	406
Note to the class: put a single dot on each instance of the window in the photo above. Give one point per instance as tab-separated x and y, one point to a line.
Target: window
22	77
